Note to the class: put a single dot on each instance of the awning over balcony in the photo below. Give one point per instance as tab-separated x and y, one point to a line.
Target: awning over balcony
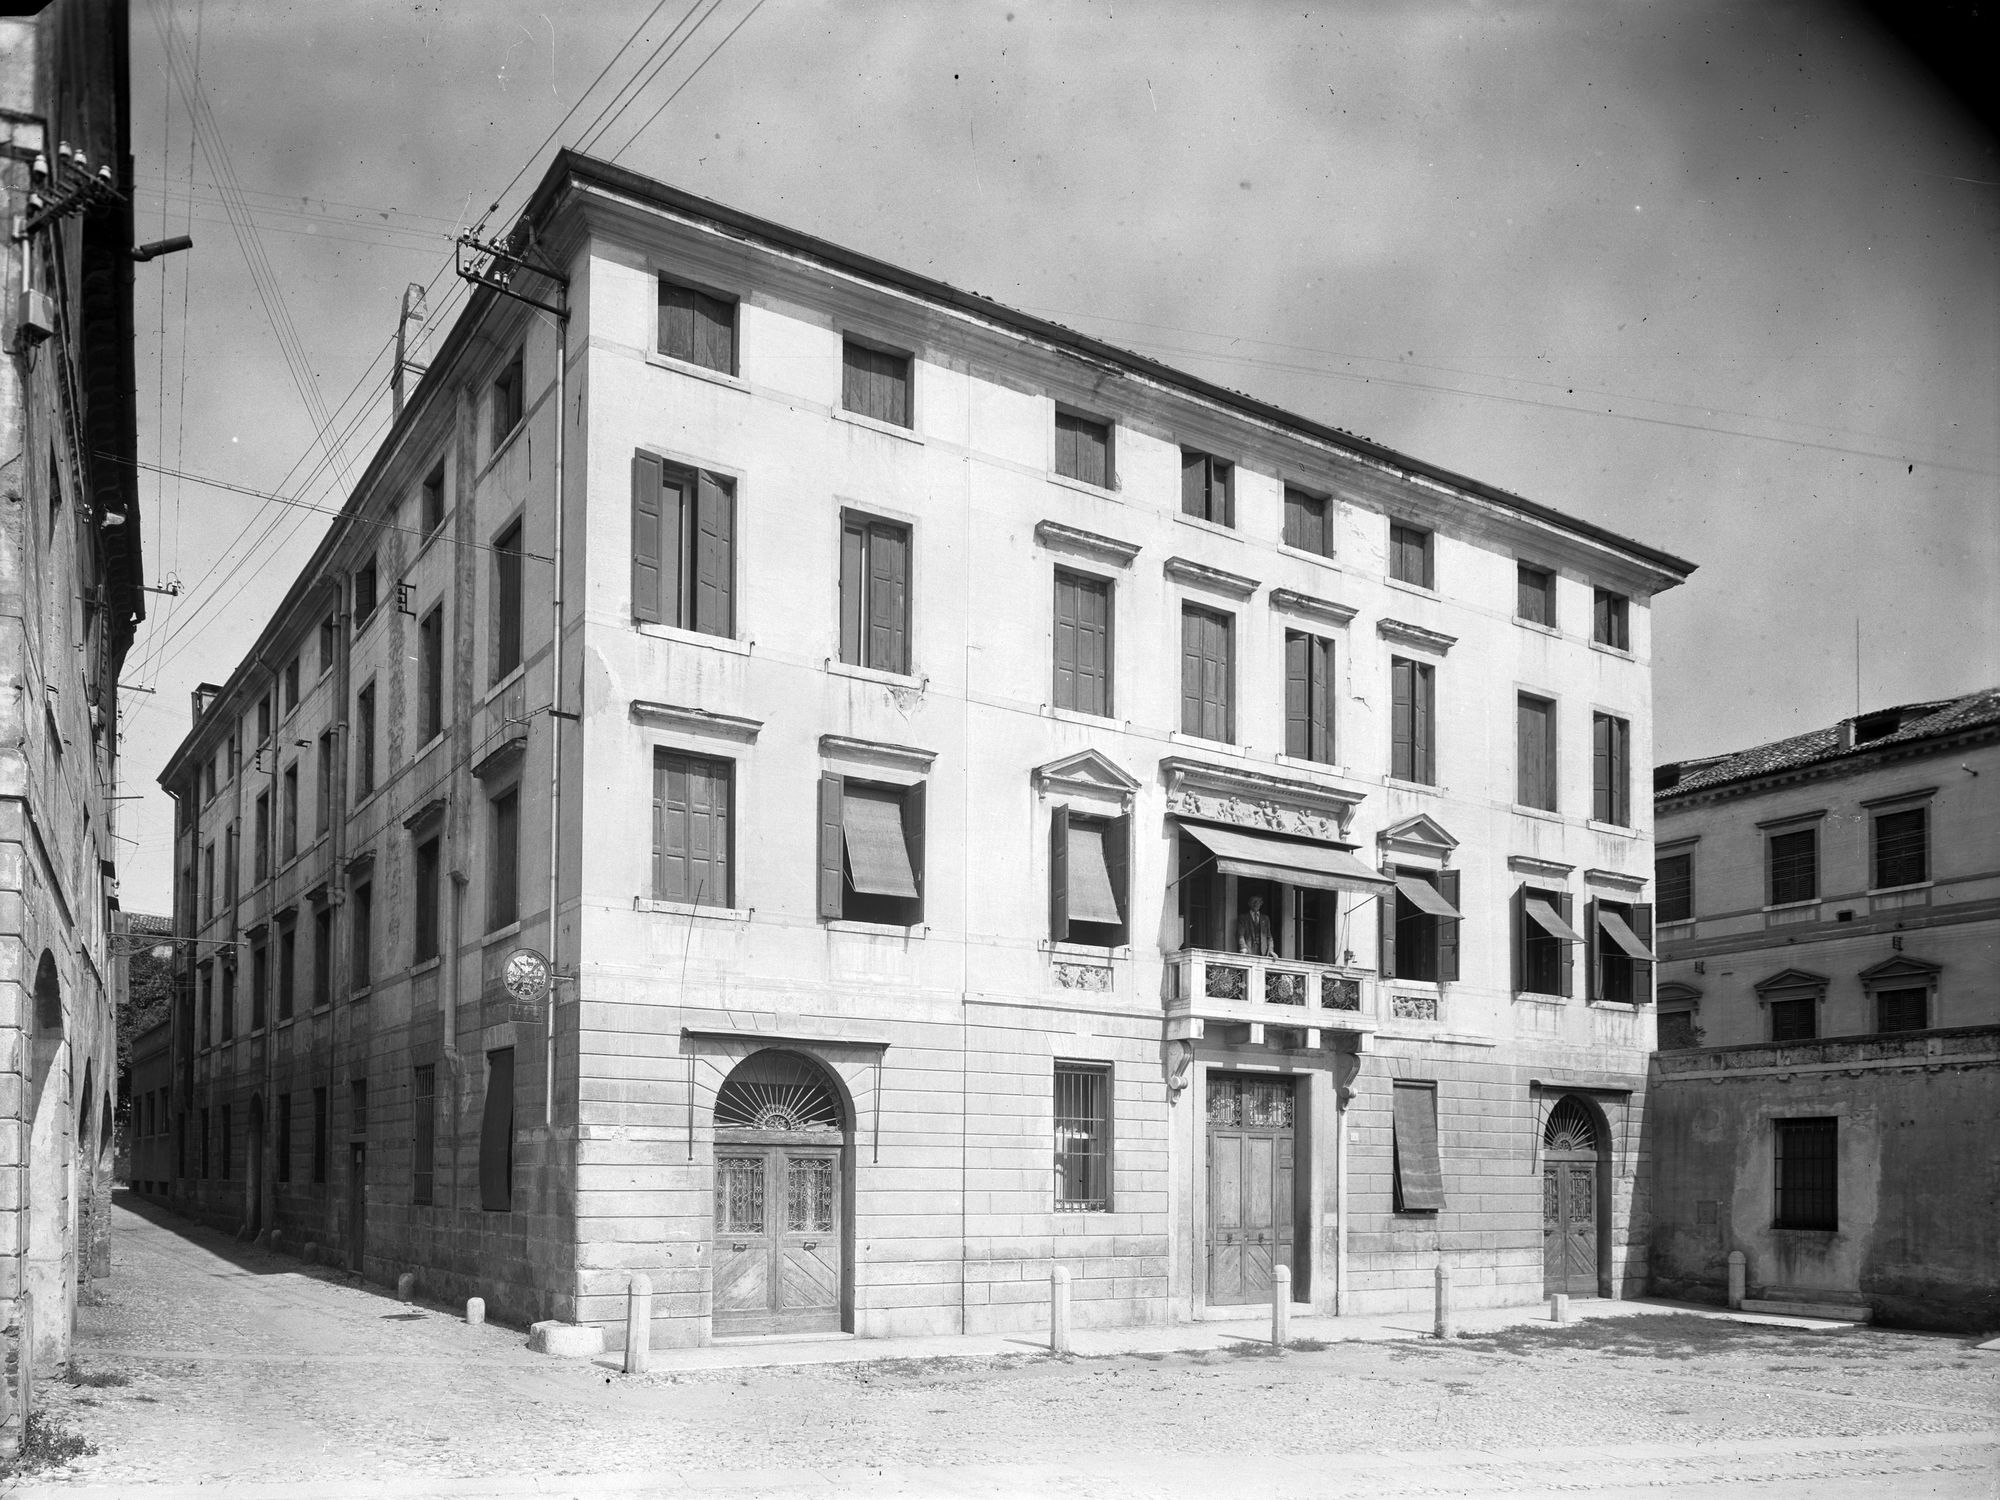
1551	922
1616	929
1261	856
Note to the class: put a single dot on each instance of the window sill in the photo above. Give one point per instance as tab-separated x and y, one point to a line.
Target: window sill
1533	998
682	637
357	994
1538	628
429	541
1422	591
662	908
1306	762
1078	716
875	424
1790	906
502	685
877	929
1402	784
835	668
1680	922
1545	814
362	622
506	442
1324	559
1900	890
1609	650
1090	952
1202	523
1622	830
1200	742
694	371
1622	1007
427	746
1084	486
425	967
496	934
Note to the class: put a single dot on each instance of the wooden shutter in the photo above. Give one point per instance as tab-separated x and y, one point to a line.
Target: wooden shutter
1118	864
888	598
1216	675
914	805
1419	1175
1298	694
1385	960
1527	753
1601	805
1641	922
1094	646
708	831
660	834
1067	644
1191	659
1447	928
715	556
1194	484
853	589
1517	923
832	843
1422	719
646	539
1059	875
1621	772
1593	981
1402	719
676	858
677	322
496	1134
717	326
1319	657
1565	905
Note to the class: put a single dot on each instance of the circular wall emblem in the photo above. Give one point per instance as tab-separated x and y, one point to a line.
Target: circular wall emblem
527	974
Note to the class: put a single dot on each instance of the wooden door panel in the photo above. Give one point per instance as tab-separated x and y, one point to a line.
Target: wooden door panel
742	1277
1259	1178
1225	1273
1257	1259
1225	1196
811	1277
1582	1227
1555	1253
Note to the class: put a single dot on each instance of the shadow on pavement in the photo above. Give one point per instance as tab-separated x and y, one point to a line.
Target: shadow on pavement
241	1254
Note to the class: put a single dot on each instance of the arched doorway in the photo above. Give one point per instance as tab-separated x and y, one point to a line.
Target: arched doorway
253	1187
51	1233
781	1210
1572	1199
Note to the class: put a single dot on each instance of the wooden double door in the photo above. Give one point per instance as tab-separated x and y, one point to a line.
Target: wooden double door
1250	1193
1569	1224
778	1238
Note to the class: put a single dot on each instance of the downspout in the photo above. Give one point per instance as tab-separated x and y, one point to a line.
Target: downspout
556	717
339	963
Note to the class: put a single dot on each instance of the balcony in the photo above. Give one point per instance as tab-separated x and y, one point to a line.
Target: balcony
1263	994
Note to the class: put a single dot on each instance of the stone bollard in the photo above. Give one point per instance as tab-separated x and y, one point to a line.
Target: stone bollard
639	1325
309	1252
406	1287
277	1243
1058	1311
1558	1307
1445	1326
475	1311
1739	1276
1281	1308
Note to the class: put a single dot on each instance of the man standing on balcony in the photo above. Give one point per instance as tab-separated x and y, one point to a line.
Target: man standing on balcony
1253	931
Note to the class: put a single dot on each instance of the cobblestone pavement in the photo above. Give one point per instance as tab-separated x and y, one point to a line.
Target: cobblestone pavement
251	1375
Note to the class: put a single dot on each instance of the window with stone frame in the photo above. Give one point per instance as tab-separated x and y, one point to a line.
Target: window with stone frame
1420	926
1792	866
1082	1136
1902	847
1806	1173
871	851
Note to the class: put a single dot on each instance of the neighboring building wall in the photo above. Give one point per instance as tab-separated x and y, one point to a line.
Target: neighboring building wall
69	601
1918	1186
149	1129
940	1037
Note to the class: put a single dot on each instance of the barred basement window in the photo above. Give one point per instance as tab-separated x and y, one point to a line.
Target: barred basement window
1083	1136
1806	1162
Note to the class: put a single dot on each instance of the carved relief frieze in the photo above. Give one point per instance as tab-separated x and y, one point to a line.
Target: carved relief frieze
1095	977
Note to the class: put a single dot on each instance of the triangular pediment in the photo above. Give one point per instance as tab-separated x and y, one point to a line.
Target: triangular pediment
1791	979
1889	970
1674	990
1423	832
1086	773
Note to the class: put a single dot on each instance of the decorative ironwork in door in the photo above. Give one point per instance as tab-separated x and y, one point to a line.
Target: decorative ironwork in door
1250	1206
778	1223
1569	1200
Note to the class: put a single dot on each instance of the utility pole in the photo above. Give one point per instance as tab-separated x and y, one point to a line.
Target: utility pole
413	307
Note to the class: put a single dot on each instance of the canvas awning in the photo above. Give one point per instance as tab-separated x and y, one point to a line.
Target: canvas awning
1426	897
1091	896
1260	856
1551	922
1619	932
878	861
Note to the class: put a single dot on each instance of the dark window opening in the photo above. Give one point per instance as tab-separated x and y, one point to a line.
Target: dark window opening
1795	1020
503	902
1902	1009
496	1134
683	547
432	505
361	909
1208	488
428	869
1794	866
1610	620
1902	851
319	1135
875	594
1673	887
871	851
1535	595
509	400
1807	1173
1419	1173
430	676
1089	875
1420	926
507	601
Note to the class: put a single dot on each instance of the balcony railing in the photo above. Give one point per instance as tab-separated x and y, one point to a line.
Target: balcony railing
1235	989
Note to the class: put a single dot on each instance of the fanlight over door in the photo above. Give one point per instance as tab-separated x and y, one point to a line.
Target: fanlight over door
1570	1207
780	1227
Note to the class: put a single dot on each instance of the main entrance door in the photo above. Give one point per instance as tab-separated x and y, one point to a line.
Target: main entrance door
1569	1201
1249	1185
780	1227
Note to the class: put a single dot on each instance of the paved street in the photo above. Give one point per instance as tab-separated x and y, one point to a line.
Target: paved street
252	1375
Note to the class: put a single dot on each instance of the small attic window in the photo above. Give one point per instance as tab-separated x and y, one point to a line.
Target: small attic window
1666	777
1877	725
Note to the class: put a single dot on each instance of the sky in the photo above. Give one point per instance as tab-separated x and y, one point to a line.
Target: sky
1724	278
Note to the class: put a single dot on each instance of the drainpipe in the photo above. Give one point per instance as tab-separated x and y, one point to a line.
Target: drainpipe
556	717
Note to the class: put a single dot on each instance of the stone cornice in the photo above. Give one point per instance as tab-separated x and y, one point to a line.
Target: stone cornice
876	752
1616	879
1060	538
1291	602
699	721
1406	634
1185	570
1257	799
1856	762
1547	869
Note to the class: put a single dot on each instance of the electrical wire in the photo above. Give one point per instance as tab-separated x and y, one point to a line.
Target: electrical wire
634	136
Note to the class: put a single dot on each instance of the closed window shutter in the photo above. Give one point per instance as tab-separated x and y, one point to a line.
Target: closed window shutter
1118	863
1190	672
646	538
664	858
853	590
1067	645
1600	769
1527	754
1402	719
1385	958
676	322
718	345
888	573
832	842
1319	655
1217	687
1094	646
1059	875
715	549
496	1134
1421	723
1298	695
1621	772
1518	925
1194	484
708	829
1593	980
1640	920
1447	927
1565	905
914	804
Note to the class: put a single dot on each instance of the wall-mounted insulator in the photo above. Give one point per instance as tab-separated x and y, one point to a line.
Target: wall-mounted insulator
105	179
40	169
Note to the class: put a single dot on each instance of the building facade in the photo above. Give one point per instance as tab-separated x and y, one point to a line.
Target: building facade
1012	804
1829	1064
70	600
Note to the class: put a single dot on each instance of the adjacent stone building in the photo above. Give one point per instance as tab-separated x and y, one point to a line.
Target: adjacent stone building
1013	804
70	600
1828	1078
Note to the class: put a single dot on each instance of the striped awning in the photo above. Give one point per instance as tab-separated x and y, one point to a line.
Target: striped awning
878	860
1261	856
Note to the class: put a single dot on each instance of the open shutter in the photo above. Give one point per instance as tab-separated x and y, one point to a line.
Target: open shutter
496	1134
1621	773
1603	799
1298	695
853	591
1385	961
647	525
715	557
1118	863
1421	722
1565	906
1593	981
832	843
888	575
1222	491
1447	928
1059	875
1641	921
1518	925
1319	655
913	840
1402	719
1069	601
674	859
1194	484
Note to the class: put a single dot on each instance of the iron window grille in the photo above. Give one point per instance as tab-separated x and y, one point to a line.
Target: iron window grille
1082	1137
1806	1176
